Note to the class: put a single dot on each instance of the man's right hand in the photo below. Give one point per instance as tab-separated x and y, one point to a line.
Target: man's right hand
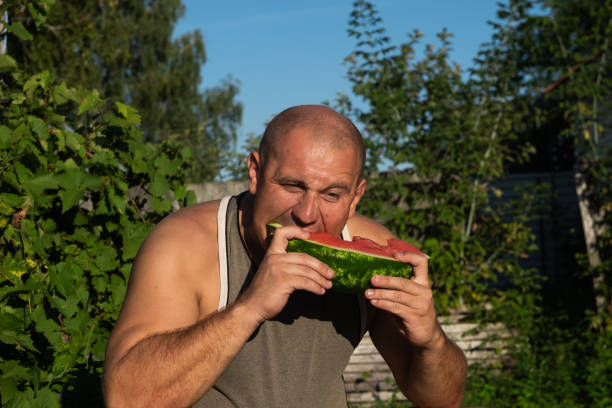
281	273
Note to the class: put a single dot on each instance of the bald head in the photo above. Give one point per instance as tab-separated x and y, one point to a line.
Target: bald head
324	124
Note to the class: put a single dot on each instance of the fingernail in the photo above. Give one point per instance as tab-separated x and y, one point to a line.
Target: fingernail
330	273
369	293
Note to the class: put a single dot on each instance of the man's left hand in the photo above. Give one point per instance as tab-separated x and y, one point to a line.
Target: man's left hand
410	301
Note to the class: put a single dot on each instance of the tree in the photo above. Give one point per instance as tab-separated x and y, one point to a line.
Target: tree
569	64
538	98
69	231
125	50
436	143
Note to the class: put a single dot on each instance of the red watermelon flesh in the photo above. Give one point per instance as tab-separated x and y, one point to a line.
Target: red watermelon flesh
360	244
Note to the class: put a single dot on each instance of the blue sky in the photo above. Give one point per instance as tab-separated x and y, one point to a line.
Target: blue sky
287	53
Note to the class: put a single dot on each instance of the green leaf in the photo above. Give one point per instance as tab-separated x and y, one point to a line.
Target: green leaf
46	398
159	185
63	94
118	288
133	235
191	198
24	399
162	164
79	322
11	200
162	205
8	388
12	368
23	340
39	127
66	277
67	307
75	142
5	137
7	64
90	103
180	192
74	183
42	79
37	185
128	113
105	158
20	31
8	321
23	173
118	202
106	259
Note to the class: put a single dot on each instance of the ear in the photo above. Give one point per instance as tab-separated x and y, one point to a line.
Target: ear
254	167
358	194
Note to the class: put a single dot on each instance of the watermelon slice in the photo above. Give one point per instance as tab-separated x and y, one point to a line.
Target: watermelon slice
354	262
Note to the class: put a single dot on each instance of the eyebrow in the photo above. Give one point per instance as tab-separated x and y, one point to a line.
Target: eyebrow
300	183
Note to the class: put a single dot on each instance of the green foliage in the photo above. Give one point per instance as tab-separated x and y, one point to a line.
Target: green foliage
126	50
442	142
237	164
537	99
562	369
79	192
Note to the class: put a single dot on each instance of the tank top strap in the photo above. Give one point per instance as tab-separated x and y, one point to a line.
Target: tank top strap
222	244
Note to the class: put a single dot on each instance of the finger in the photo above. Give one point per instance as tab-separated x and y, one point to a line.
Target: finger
391	307
397	283
315	275
299	276
401	298
281	237
306	260
311	284
419	265
284	266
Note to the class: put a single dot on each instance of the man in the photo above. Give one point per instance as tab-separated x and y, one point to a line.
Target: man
217	314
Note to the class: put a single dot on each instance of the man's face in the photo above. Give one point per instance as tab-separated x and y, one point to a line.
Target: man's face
307	183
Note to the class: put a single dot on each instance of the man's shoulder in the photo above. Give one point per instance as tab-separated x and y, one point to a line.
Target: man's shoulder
181	253
188	229
200	219
360	225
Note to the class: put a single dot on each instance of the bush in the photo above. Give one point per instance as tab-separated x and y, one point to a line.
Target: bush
559	367
69	231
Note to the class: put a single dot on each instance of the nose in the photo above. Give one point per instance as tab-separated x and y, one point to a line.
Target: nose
305	211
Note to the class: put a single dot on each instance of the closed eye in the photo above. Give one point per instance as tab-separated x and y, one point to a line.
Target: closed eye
293	188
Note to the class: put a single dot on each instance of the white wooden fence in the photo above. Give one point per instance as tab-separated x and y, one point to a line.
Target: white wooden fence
367	377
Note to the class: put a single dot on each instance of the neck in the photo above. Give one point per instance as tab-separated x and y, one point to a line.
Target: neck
253	246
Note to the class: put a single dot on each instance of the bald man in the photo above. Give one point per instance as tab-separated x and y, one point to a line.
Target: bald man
218	315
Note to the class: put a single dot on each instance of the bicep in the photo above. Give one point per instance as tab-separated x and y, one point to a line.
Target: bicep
165	292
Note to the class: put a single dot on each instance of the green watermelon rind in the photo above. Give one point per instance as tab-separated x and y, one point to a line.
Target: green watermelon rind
353	269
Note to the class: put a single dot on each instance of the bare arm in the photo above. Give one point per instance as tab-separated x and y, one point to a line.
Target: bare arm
170	344
178	367
428	367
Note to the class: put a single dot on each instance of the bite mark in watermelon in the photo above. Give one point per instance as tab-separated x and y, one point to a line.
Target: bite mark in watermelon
354	262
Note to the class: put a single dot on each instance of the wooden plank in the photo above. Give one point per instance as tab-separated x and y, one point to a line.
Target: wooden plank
371	377
366	358
371	397
366	367
367	377
365	386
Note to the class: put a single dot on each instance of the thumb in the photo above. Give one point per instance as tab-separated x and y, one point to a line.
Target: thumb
419	266
281	237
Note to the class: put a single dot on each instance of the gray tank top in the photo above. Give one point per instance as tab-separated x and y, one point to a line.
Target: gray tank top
297	358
